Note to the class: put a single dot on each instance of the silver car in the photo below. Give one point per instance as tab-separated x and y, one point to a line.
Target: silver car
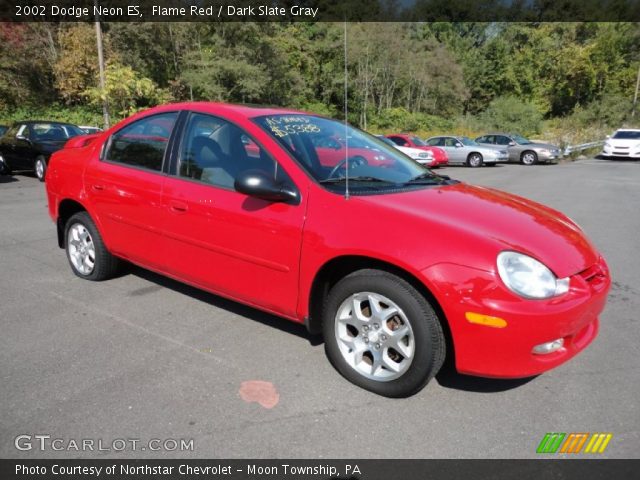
463	150
520	149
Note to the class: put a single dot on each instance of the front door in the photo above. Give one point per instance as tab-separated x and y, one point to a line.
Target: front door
220	239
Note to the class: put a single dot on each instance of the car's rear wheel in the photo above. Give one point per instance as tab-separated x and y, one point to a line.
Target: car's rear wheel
40	168
381	334
87	254
529	158
4	167
474	160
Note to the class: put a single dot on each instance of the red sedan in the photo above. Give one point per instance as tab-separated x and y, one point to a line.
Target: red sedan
440	156
396	266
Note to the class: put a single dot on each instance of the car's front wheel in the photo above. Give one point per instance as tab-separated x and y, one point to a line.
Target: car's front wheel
87	254
40	168
529	158
381	334
474	160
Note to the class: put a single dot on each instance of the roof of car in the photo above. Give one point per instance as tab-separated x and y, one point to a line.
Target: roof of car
44	121
249	111
628	130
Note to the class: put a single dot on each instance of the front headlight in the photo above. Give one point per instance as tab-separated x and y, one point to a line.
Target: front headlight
528	277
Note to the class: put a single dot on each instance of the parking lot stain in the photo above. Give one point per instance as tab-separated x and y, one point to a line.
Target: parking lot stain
261	392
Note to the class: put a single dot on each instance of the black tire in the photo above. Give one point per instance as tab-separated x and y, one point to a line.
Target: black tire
475	160
105	265
529	157
5	169
40	168
429	341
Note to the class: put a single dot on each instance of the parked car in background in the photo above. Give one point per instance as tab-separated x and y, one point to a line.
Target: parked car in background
440	157
464	151
624	142
400	270
423	157
28	145
332	151
89	129
521	149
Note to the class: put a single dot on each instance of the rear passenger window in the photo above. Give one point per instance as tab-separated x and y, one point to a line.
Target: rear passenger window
142	143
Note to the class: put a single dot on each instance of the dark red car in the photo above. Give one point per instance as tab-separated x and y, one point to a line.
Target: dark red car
392	265
405	140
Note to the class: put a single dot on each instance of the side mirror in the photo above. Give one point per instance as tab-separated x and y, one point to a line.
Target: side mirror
257	184
608	137
23	138
512	144
458	145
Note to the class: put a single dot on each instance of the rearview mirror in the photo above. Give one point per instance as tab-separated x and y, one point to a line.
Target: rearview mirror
259	185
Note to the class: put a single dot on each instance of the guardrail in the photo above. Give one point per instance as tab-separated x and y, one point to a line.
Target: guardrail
579	148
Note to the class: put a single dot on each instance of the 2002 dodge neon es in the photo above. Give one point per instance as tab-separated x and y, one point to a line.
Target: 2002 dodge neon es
394	270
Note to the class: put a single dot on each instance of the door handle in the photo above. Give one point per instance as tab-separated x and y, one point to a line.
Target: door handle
178	207
97	187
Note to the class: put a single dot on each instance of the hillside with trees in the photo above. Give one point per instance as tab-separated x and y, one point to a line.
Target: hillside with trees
566	81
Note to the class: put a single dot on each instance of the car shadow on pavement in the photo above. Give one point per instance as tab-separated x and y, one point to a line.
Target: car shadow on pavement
225	304
448	377
7	179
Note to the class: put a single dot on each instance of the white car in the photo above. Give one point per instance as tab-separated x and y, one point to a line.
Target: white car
421	156
625	142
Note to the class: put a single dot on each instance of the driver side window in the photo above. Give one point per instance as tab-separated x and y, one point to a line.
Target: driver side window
502	140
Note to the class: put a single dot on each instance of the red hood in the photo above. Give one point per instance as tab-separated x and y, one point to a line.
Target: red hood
505	220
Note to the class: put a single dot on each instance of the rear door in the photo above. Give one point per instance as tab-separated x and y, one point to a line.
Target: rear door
124	185
222	240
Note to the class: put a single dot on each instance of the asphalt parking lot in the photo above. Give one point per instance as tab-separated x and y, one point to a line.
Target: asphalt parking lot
144	357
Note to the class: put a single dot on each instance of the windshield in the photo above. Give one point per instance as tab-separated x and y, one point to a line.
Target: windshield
418	142
44	132
521	140
318	144
627	134
467	141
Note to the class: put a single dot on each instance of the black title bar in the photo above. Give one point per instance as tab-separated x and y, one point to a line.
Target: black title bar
320	10
565	469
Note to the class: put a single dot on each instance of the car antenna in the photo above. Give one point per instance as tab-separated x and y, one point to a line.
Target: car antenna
346	112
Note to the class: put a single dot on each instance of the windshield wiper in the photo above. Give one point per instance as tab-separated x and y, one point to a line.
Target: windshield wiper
355	179
426	179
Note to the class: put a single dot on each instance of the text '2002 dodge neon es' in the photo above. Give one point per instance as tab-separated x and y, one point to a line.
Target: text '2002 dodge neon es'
407	268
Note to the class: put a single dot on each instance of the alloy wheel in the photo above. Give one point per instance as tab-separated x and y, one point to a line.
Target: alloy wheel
374	336
81	249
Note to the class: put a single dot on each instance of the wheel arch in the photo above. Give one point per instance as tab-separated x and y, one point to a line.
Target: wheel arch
67	208
339	267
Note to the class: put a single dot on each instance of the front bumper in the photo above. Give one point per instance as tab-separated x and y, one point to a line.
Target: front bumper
496	159
549	156
507	352
620	152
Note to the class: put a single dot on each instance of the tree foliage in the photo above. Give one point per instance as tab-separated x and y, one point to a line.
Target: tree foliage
408	76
